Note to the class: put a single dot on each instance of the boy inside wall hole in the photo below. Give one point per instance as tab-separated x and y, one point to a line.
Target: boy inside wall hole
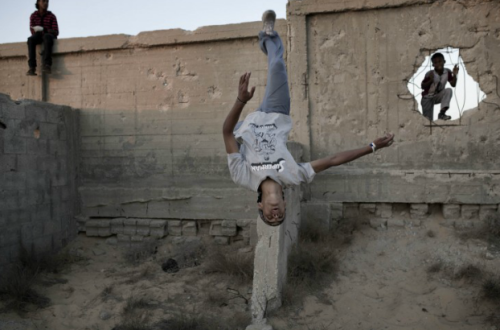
434	84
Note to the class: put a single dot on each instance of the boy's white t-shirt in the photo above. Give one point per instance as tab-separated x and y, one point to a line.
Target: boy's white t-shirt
263	153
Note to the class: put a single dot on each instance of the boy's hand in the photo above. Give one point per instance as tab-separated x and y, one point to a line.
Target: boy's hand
384	141
455	70
243	93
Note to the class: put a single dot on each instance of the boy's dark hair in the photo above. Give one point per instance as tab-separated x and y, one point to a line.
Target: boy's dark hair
437	55
36	4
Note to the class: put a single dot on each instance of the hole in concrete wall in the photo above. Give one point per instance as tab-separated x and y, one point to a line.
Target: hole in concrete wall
466	94
2	125
36	133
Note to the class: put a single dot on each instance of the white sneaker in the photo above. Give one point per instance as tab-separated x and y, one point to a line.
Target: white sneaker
268	18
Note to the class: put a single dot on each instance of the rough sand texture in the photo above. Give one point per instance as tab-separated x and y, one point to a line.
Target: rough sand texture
383	283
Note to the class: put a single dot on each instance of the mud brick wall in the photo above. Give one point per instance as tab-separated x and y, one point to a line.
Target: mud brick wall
38	177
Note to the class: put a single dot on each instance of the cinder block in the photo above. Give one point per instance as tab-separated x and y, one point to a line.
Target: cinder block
136	238
158	223
143	222
158	232
451	211
189	228
488	212
14	145
228	228
175	228
470	212
117	226
384	210
216	228
91	231
367	209
419	211
105	232
129	227
142	227
243	223
123	238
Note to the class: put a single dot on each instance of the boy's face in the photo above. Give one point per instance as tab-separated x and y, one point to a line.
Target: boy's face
438	64
273	208
43	4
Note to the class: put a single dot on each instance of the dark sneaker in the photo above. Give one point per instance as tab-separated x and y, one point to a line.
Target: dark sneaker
443	116
31	72
47	69
268	18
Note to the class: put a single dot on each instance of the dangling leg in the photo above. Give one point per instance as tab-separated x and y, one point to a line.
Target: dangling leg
277	95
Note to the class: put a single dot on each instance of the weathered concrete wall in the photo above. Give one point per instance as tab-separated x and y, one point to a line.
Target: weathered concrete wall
38	168
152	107
348	62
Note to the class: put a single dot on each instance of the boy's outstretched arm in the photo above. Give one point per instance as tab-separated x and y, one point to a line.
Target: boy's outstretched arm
232	118
350	155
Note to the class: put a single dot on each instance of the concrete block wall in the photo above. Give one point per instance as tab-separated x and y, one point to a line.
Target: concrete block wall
152	105
134	230
386	215
38	176
349	62
151	109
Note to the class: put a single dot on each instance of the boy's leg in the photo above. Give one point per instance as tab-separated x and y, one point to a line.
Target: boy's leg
444	97
32	42
428	108
277	95
48	43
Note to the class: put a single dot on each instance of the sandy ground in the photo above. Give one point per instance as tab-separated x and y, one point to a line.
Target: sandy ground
383	282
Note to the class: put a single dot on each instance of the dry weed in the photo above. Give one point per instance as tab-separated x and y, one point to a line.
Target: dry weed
136	254
237	266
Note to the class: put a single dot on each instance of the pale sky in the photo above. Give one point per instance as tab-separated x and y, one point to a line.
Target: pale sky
100	17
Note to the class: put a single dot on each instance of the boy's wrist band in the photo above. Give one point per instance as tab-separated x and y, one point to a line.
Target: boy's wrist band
373	146
240	100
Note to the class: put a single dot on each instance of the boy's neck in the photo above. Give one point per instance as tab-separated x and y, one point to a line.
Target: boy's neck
439	72
42	11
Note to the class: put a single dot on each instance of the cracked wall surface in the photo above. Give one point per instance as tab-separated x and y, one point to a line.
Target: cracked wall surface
151	107
359	56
